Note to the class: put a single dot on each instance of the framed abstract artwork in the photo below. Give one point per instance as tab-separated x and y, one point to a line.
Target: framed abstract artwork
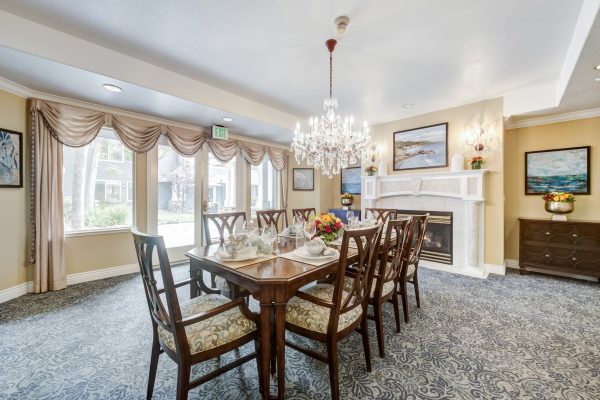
425	147
304	178
11	159
350	180
560	170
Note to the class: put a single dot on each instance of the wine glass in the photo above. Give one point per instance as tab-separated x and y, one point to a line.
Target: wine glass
269	235
250	227
298	221
350	218
310	229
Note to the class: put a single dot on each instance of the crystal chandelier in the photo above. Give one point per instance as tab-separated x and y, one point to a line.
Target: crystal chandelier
331	143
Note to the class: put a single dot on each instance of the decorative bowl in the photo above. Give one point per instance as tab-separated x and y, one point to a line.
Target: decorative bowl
559	207
346	202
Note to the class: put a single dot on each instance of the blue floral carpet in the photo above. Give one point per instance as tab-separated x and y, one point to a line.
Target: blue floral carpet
507	337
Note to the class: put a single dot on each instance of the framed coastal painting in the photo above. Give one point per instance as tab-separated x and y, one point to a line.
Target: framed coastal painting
11	159
425	147
350	180
560	170
304	178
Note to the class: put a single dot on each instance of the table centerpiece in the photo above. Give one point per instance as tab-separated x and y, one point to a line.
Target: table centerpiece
329	227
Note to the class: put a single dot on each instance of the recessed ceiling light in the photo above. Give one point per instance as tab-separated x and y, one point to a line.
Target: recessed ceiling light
112	88
597	79
597	67
408	105
227	119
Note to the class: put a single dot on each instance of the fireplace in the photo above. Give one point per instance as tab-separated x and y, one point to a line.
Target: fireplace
437	246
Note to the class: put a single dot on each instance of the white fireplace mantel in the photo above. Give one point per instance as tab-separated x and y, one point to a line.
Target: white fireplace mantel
461	192
464	185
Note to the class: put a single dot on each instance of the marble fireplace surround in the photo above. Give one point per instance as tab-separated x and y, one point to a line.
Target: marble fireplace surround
461	193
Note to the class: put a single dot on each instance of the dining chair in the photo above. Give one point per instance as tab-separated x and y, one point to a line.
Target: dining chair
303	213
327	313
382	215
409	273
391	259
272	217
192	331
225	223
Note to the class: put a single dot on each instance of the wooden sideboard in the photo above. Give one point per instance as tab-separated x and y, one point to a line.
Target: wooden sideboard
571	247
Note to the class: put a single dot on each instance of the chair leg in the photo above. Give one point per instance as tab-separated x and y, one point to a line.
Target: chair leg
183	381
416	285
404	300
333	369
153	366
364	331
396	311
377	311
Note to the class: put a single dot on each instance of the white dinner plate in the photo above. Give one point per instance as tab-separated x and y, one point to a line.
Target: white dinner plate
302	253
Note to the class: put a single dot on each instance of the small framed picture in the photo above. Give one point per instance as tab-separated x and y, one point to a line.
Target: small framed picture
11	159
304	178
350	180
558	170
425	147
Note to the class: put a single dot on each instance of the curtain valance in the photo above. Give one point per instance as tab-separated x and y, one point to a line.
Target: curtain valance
54	124
77	126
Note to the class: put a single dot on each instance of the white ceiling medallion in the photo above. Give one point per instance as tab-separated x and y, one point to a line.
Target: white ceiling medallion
331	143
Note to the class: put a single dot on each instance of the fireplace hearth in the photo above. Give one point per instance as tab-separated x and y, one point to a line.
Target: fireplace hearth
438	245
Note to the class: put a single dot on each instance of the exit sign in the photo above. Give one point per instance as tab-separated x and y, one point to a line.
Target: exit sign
219	132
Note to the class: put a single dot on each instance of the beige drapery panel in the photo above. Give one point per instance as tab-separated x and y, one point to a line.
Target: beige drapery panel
55	124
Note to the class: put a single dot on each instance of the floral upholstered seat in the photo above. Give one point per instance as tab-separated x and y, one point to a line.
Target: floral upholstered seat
387	287
308	315
213	332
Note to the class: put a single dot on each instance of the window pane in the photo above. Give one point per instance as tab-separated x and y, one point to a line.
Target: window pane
221	185
94	187
176	186
264	187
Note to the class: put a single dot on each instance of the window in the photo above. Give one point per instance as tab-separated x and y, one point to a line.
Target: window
264	187
221	185
94	190
129	191
176	186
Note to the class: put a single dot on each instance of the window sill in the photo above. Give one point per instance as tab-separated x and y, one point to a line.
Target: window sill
95	232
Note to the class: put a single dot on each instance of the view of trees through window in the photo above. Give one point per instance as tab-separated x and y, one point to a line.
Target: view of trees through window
176	187
264	187
98	184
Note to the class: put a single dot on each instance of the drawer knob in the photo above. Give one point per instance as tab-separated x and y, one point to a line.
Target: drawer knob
547	255
575	235
547	233
574	258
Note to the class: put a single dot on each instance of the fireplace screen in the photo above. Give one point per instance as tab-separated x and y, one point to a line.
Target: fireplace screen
437	246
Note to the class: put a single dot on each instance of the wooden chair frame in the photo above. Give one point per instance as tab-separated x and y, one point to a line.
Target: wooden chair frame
304	213
419	225
382	215
170	318
367	242
272	217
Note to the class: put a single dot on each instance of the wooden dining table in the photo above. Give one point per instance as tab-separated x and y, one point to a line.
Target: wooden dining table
272	282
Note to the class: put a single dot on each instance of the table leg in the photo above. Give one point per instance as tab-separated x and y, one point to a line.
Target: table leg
265	347
280	341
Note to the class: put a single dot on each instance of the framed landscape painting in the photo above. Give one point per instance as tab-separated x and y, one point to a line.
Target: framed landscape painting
304	178
425	147
11	159
560	170
350	180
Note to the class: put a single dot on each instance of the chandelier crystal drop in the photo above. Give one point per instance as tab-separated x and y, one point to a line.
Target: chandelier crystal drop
331	142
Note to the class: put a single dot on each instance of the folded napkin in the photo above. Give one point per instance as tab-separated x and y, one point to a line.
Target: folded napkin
289	231
261	246
246	252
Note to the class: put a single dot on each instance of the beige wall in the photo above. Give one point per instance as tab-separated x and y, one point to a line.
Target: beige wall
584	132
460	119
14	213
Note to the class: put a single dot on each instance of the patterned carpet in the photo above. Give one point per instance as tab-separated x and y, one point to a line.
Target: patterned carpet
507	337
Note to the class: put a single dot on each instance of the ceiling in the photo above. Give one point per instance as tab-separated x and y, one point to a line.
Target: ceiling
428	53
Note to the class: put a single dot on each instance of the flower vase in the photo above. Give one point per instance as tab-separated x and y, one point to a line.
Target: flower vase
370	173
476	165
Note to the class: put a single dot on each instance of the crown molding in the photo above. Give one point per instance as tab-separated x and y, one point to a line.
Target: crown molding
552	119
25	92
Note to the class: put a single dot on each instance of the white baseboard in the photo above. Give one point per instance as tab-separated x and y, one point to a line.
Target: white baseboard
455	269
73	279
495	269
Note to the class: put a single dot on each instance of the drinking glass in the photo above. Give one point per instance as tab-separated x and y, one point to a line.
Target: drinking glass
350	218
250	227
269	235
297	222
310	229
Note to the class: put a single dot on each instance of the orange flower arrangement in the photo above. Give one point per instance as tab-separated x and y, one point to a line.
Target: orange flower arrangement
328	226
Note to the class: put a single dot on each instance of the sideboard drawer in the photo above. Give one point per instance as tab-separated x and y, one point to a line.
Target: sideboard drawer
544	232
587	262
588	236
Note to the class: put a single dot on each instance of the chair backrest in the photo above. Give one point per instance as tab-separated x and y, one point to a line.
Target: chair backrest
366	241
272	217
303	213
223	222
164	316
394	252
382	215
420	225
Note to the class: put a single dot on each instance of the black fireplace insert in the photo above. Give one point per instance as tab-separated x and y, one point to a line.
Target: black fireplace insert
437	246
